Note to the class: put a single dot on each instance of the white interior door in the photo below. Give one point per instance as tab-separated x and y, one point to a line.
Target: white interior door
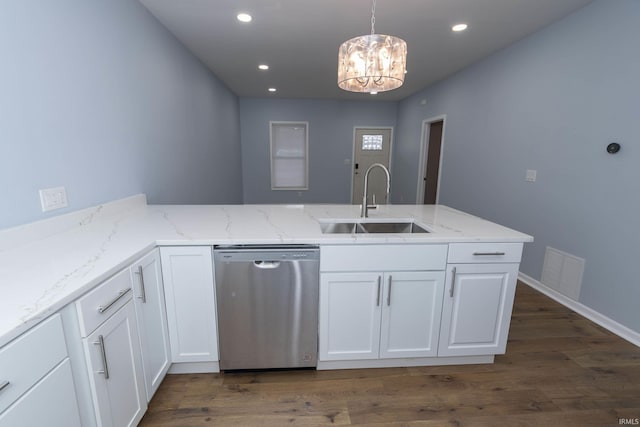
370	145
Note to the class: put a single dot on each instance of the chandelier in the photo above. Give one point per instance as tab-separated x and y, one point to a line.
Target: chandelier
372	63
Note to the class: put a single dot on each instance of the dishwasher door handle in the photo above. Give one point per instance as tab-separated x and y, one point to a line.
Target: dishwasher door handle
266	264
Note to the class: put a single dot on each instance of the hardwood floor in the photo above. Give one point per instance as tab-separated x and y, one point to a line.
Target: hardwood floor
560	369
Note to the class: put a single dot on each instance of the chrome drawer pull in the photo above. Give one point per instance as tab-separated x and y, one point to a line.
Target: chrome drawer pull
103	353
453	281
378	300
4	385
143	293
389	294
103	308
488	253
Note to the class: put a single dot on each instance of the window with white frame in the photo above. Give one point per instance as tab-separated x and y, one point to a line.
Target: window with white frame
372	142
289	155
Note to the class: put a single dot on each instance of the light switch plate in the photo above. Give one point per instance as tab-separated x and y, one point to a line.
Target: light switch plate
53	198
530	175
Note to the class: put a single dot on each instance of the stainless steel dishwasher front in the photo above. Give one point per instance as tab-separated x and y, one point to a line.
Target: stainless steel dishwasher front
267	301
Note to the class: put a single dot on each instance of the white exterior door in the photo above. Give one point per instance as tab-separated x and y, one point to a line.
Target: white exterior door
152	320
411	309
477	309
349	316
370	145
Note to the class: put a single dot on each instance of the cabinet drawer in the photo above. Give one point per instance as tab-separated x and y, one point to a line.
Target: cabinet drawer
383	257
475	253
99	304
28	358
52	402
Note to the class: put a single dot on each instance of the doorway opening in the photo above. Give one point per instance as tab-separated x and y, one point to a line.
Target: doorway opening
370	145
430	161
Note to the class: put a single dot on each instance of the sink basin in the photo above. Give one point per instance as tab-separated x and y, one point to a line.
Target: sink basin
338	227
392	227
366	227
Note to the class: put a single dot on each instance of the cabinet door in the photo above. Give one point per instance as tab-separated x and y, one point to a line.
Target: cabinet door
113	358
477	309
350	316
152	320
51	402
187	272
411	310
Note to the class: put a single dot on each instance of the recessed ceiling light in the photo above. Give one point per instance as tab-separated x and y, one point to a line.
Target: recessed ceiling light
263	66
272	89
459	27
244	17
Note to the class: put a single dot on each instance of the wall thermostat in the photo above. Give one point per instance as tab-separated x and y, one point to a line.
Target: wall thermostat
613	148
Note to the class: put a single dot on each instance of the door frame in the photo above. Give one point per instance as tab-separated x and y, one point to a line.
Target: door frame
353	155
422	166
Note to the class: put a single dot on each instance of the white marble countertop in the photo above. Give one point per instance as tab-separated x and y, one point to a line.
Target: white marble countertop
48	264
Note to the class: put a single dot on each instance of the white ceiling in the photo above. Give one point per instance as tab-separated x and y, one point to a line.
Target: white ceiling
299	39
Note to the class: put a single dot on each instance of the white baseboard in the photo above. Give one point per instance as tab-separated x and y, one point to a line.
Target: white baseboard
403	363
611	325
194	368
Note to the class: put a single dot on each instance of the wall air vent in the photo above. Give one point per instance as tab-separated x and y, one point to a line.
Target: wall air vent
563	272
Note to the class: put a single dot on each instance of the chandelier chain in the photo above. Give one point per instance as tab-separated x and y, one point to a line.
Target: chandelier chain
373	16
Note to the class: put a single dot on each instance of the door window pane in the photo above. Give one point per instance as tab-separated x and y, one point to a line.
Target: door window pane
372	142
289	161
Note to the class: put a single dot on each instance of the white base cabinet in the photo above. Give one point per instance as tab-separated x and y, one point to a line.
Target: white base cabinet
51	402
367	315
477	309
151	315
107	323
187	272
411	310
36	382
113	357
349	325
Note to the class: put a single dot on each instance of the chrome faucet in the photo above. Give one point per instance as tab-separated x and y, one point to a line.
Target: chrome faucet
364	210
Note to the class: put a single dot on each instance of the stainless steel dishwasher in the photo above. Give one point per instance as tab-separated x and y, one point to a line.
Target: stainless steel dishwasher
267	300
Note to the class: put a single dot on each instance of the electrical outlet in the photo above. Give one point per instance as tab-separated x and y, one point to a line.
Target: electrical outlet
53	198
530	175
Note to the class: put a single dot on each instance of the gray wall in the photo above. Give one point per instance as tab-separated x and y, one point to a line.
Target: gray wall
98	97
331	125
551	102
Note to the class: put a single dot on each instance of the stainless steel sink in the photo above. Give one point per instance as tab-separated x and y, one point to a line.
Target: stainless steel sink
338	227
370	227
392	227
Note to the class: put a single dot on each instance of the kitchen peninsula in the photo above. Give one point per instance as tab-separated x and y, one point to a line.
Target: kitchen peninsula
90	261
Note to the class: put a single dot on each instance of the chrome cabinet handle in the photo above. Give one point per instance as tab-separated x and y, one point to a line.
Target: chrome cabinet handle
453	281
4	385
488	253
389	293
103	353
378	300
143	293
103	308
